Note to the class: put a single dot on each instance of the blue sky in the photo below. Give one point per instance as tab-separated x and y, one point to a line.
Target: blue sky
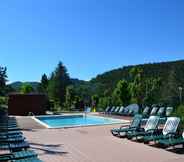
88	36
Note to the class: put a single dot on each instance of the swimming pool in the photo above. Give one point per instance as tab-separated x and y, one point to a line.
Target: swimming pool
76	120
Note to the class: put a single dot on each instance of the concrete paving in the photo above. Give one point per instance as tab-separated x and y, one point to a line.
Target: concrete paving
93	144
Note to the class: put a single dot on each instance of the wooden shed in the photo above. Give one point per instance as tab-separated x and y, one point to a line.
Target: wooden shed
23	104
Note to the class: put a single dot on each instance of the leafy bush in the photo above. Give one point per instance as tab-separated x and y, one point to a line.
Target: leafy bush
179	112
3	105
3	101
56	108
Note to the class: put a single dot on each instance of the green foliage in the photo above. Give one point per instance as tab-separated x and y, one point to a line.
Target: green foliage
136	74
44	83
57	107
3	100
79	103
144	84
26	88
94	100
152	86
57	84
3	79
137	84
179	112
170	92
16	86
70	97
121	94
104	102
9	89
168	76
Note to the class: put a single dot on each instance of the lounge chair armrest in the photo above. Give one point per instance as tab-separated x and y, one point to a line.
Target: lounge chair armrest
170	135
133	127
141	129
151	130
124	126
7	155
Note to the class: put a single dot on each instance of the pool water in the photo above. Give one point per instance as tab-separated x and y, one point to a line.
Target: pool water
77	120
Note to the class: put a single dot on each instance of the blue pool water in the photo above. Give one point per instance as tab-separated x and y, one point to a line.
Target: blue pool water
76	120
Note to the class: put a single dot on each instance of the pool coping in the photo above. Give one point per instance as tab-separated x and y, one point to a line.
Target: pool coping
120	121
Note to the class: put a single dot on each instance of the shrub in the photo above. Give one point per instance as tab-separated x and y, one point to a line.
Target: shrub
56	108
3	101
179	112
3	105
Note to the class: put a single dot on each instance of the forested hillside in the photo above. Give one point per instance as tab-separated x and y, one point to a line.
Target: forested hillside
17	85
171	75
143	84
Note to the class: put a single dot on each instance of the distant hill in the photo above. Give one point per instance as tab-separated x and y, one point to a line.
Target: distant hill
170	73
18	84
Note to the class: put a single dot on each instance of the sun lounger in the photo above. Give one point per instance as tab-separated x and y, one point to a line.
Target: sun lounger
33	159
172	141
169	129
18	155
14	146
169	111
146	112
150	128
12	139
154	111
135	125
161	112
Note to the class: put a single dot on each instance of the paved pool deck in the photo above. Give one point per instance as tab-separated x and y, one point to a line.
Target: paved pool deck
91	144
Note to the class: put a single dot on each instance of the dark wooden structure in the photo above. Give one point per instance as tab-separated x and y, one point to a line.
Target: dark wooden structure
23	104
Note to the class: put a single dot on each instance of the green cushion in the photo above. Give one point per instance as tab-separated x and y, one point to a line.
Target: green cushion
154	137
171	141
24	154
120	129
28	160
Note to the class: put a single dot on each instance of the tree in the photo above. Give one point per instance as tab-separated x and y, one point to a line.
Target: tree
137	85
170	93
3	79
152	88
57	84
43	86
104	102
26	88
79	103
121	94
70	96
94	101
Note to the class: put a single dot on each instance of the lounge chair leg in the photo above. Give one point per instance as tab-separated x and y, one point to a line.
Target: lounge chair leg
146	142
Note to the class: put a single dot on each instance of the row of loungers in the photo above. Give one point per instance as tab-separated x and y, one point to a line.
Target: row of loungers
120	110
170	135
162	112
158	111
14	143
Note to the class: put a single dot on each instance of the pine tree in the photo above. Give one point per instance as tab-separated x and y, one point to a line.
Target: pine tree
57	84
43	86
3	79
